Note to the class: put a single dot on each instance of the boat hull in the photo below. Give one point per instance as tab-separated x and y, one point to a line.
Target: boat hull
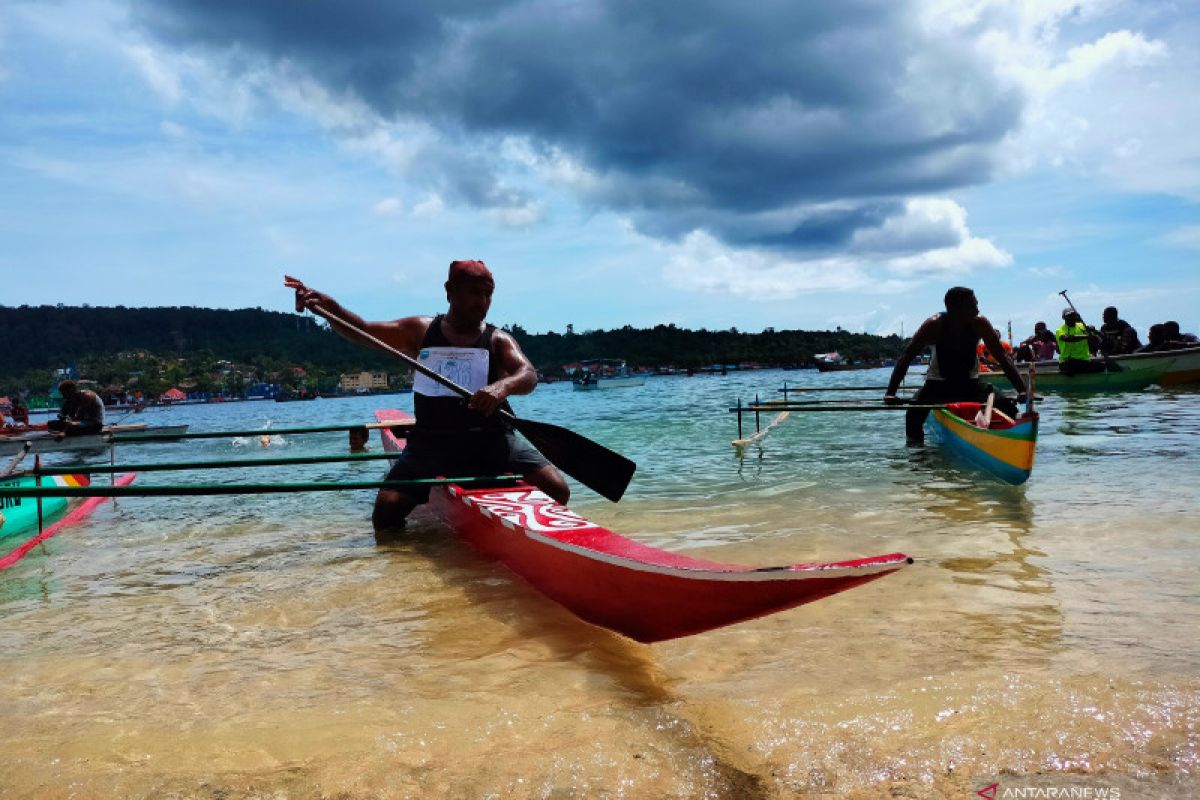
1137	371
42	441
620	382
608	580
1006	452
20	515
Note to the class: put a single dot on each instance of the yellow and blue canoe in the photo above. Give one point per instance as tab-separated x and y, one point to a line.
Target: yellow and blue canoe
1005	448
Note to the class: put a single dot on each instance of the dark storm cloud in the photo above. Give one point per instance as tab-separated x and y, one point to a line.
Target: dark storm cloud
736	115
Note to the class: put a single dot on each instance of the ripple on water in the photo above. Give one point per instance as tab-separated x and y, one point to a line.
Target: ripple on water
267	645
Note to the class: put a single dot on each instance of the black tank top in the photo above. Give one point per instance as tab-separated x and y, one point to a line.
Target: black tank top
954	356
450	415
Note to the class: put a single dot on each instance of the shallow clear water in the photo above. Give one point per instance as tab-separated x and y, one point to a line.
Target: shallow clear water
266	646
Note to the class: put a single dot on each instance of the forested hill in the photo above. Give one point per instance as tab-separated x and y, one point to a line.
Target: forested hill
39	338
46	337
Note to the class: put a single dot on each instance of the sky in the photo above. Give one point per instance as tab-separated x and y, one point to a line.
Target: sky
717	165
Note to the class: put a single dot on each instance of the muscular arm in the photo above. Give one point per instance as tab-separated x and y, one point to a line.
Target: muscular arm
517	376
404	334
925	336
992	341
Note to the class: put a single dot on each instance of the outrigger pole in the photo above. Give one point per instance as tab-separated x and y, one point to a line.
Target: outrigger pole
118	438
240	488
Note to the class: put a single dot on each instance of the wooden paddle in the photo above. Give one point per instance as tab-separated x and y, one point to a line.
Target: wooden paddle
595	466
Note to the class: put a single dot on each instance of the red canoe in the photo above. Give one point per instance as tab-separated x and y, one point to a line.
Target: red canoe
642	592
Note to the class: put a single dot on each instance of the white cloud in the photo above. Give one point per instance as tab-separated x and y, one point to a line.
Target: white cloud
1187	237
701	263
1047	272
389	207
520	215
162	75
1121	46
431	206
172	130
911	236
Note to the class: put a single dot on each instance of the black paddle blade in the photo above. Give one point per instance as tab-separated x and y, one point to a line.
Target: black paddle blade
595	466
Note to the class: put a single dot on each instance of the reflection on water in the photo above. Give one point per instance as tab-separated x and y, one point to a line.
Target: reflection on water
266	646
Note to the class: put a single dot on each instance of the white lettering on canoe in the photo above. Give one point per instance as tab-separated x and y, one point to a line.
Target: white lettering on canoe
531	510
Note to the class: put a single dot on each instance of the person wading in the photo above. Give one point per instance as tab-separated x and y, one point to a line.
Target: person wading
953	374
452	437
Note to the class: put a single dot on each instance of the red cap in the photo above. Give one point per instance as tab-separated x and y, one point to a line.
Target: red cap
464	270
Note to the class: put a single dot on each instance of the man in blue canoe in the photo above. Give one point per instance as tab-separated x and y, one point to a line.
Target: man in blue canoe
953	375
452	437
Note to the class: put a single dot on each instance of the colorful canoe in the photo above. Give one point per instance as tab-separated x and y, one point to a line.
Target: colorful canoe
20	515
639	591
80	512
1005	449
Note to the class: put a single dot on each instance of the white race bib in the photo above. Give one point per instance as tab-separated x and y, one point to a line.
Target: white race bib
466	366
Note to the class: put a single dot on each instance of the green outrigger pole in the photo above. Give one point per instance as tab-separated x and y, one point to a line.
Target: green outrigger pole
97	490
114	469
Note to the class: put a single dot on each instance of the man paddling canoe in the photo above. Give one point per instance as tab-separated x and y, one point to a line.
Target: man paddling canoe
451	438
953	374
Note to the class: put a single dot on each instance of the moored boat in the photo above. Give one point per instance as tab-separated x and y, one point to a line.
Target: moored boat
1005	448
1130	372
43	441
608	580
606	373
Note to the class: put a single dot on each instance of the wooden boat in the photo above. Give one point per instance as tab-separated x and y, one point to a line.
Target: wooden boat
639	591
1005	448
606	373
66	517
1135	371
42	441
20	515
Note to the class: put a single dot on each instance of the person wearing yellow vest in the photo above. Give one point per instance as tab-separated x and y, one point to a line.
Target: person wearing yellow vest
1074	351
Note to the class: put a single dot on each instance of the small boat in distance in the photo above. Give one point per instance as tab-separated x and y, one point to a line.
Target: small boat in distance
606	373
835	362
639	591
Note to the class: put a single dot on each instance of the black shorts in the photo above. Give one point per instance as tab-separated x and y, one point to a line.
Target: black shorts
469	455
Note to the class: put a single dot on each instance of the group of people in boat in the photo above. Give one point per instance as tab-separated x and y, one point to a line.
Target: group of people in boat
961	339
13	413
1115	337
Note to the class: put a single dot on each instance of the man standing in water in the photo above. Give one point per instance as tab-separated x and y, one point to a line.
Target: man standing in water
953	374
452	437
